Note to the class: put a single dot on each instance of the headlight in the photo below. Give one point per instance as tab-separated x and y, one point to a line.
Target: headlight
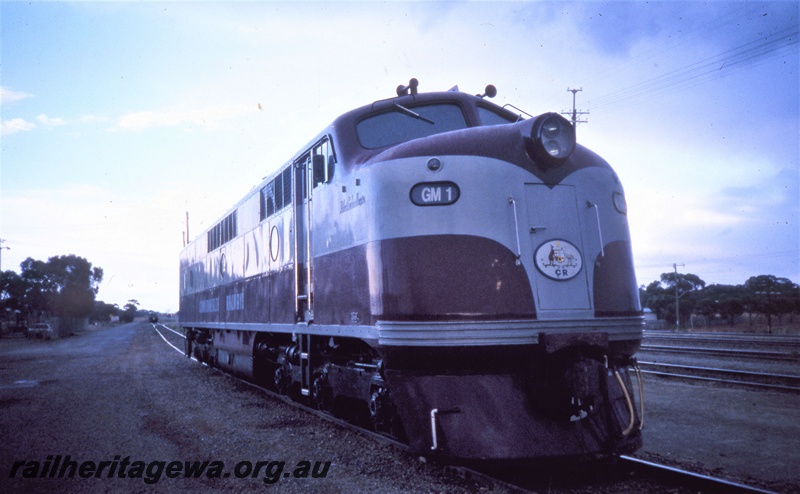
552	139
619	203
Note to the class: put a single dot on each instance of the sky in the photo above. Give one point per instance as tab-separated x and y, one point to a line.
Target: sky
118	118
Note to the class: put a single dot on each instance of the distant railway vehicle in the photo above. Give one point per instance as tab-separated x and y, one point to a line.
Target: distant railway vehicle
153	317
43	331
458	274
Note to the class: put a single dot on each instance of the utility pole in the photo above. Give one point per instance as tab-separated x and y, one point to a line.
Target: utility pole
186	238
574	113
2	241
677	298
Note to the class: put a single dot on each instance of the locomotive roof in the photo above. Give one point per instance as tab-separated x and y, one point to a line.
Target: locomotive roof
350	151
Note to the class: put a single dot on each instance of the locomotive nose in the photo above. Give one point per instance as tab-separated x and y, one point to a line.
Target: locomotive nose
549	138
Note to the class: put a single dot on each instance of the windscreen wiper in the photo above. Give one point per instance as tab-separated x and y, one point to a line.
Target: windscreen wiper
414	114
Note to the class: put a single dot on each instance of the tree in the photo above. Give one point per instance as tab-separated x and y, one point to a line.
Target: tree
723	300
103	312
38	288
76	284
12	293
129	311
656	298
660	296
64	286
771	296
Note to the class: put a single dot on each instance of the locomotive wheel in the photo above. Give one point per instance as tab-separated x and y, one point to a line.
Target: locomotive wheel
322	393
381	410
282	379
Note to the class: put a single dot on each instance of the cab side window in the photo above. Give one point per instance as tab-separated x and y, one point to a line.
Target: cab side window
322	163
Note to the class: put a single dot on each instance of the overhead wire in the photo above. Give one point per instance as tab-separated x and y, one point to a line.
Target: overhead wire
722	65
678	39
727	260
755	52
752	53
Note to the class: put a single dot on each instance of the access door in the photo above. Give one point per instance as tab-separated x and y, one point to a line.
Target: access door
304	281
561	279
312	170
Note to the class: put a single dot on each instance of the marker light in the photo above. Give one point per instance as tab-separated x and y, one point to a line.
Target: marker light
552	139
434	164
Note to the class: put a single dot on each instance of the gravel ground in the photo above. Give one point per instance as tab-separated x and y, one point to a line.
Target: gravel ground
112	394
737	434
121	392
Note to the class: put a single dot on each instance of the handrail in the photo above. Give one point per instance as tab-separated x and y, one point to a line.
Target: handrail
309	179
434	413
516	230
590	204
295	250
434	439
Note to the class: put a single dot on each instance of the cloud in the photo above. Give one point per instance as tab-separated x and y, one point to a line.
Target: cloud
50	122
92	119
16	125
207	117
9	96
21	125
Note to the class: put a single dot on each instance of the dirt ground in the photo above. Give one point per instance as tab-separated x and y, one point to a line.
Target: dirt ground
745	435
121	394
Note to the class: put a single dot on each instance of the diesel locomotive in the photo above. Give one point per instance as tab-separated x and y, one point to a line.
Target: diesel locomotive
449	271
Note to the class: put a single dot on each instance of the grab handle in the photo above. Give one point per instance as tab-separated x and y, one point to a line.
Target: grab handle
516	230
435	413
590	204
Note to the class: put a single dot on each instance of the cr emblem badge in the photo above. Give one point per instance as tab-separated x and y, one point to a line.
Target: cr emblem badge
558	259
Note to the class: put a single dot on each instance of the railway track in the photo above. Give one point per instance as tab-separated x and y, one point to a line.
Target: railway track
675	479
747	337
761	380
722	352
784	344
755	361
696	481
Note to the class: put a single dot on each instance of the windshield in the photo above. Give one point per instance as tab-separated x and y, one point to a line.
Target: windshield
490	117
402	124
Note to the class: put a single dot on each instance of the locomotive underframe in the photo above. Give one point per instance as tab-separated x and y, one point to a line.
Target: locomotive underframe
555	394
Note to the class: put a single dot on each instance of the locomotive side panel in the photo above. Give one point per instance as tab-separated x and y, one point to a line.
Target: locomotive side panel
341	288
248	279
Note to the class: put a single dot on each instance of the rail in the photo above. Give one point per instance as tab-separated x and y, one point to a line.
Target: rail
731	352
762	380
700	482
